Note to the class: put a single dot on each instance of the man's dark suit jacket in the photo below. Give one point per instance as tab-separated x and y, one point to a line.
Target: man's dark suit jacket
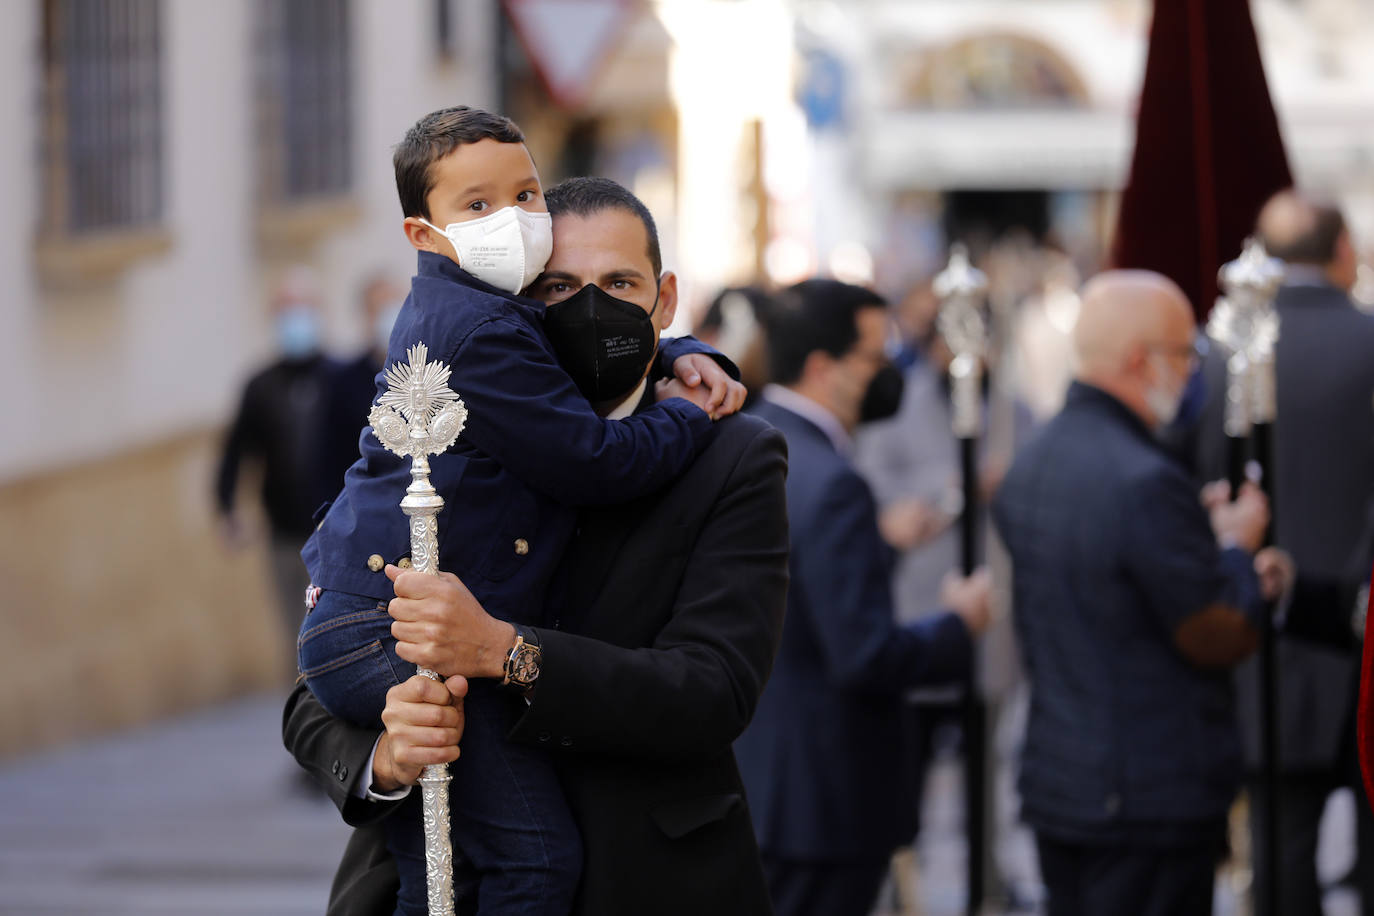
822	760
1127	742
1323	488
671	616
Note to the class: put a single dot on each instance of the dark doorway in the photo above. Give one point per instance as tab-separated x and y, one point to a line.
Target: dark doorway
979	218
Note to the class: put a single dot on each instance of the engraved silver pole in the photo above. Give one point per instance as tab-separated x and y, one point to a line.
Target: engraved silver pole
419	416
1246	323
962	288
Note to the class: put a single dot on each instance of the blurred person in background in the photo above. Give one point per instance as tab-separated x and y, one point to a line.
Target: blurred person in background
822	760
734	325
276	425
1041	346
352	384
1131	608
912	464
914	325
1323	493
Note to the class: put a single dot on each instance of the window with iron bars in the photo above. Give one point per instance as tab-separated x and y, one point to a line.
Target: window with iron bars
102	131
304	100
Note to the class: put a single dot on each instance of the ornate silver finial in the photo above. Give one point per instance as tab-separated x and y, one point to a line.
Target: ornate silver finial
1254	271
419	416
961	288
1245	322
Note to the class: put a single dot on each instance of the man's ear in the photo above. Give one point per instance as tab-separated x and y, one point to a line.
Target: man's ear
1344	269
667	299
423	238
817	367
1136	361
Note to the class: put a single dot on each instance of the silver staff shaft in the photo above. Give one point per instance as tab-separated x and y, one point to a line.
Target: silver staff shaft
419	416
961	288
421	505
1245	322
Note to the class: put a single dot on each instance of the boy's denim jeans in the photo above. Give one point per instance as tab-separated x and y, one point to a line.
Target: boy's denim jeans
516	847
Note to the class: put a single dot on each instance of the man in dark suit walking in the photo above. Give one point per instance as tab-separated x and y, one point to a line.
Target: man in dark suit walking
1323	494
662	632
822	760
1131	608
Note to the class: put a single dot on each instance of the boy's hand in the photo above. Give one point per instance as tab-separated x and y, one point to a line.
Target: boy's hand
424	723
440	625
724	395
676	388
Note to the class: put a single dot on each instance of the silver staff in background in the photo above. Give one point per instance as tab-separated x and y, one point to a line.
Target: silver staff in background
419	416
1245	322
961	288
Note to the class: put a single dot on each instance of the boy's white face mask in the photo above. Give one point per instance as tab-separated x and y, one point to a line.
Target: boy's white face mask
507	249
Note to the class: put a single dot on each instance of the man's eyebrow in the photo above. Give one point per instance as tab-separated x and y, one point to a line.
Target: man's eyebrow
623	273
556	275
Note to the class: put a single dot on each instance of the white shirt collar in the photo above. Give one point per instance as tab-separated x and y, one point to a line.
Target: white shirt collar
808	409
627	406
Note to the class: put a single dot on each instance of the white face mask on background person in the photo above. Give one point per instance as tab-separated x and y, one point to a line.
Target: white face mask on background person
507	249
1163	401
298	331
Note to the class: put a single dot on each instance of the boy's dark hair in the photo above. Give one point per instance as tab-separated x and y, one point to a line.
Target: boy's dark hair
813	315
435	136
587	196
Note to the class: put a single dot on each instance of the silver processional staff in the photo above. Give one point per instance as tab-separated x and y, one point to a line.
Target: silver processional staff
420	416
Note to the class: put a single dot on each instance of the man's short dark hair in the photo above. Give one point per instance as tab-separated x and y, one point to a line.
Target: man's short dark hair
435	136
814	315
588	196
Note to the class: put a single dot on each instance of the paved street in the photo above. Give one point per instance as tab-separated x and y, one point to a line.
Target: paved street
200	815
204	815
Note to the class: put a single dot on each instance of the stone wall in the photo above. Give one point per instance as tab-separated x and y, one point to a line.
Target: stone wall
122	604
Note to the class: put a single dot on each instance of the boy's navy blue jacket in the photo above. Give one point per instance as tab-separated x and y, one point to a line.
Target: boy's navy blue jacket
532	451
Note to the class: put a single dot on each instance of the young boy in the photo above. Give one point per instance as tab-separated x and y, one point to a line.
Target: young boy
532	450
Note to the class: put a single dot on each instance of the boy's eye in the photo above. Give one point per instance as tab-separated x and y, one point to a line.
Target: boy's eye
477	206
525	196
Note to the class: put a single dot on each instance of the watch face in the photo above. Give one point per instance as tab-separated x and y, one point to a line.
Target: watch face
524	669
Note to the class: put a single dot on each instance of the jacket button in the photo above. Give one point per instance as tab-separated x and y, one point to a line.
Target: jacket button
566	742
375	562
522	546
343	773
404	563
544	736
335	768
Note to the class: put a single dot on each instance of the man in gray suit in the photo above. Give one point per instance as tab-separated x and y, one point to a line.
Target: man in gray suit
1323	491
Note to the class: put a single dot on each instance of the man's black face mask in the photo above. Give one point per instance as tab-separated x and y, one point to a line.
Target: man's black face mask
604	343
